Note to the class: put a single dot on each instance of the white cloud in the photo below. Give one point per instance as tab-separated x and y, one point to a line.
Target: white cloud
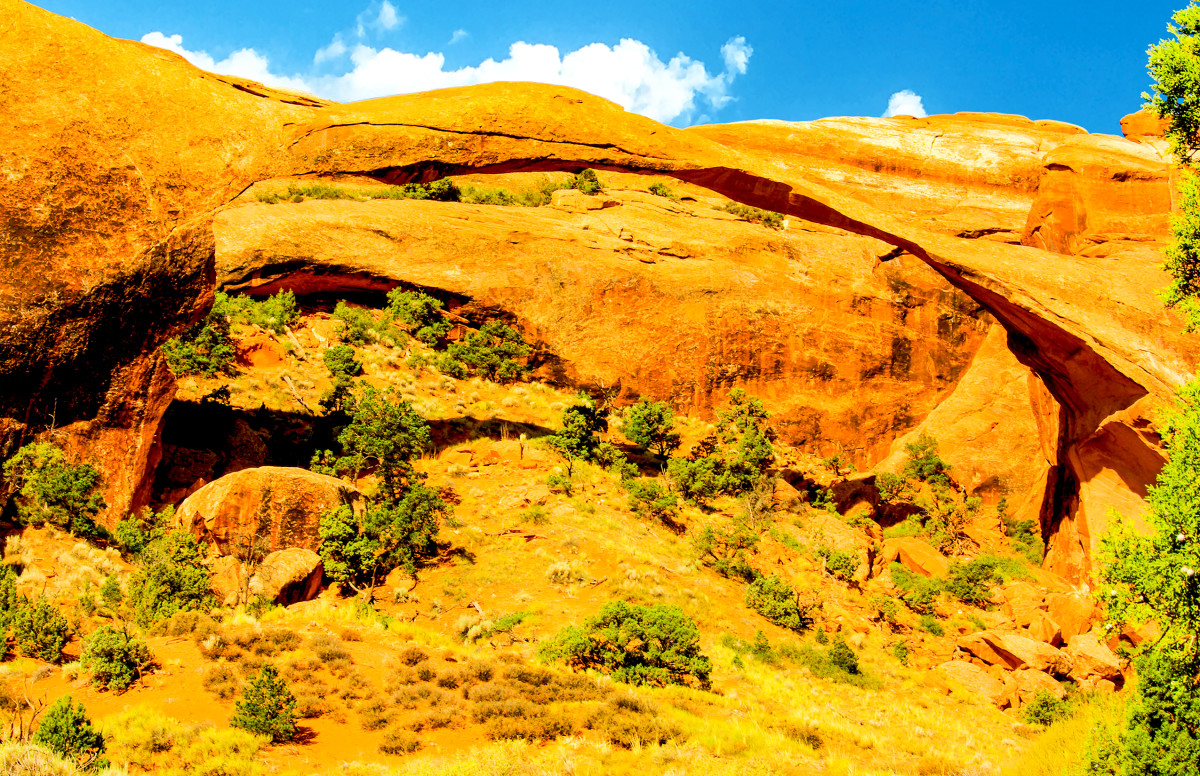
388	19
459	36
334	50
737	55
629	73
905	103
246	63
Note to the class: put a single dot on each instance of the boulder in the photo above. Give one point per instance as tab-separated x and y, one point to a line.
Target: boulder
1072	611
914	554
1022	602
1014	651
288	576
276	506
1044	629
1030	682
786	496
976	681
1144	126
1092	660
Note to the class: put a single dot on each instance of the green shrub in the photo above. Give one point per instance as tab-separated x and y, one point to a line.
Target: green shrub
473	195
1026	535
651	426
901	652
918	592
67	731
358	326
660	189
1043	710
400	742
493	352
775	599
971	582
51	490
842	657
205	349
114	658
839	663
441	190
726	550
586	181
267	707
341	362
767	218
360	549
730	461
887	608
655	645
647	498
39	630
930	624
110	592
627	721
420	313
275	313
923	463
172	578
133	534
842	565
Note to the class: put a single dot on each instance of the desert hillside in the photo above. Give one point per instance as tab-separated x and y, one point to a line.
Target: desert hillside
504	431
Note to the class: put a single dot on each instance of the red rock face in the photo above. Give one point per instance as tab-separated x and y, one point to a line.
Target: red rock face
119	157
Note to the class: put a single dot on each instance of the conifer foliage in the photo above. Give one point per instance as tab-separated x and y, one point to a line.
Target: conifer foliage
267	707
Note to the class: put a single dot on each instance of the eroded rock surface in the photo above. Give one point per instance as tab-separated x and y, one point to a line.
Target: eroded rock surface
264	509
118	156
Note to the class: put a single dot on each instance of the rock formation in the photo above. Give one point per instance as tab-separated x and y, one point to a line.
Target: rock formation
119	157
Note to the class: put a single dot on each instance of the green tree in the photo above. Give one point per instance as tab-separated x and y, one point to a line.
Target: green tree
775	599
114	658
923	462
420	313
730	461
52	490
579	437
10	600
359	550
654	645
383	434
267	707
205	349
1155	574
651	426
172	578
340	361
40	630
67	731
493	352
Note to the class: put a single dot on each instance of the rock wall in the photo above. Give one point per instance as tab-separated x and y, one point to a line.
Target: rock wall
118	156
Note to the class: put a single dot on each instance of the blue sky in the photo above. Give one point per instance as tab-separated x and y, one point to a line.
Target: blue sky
685	62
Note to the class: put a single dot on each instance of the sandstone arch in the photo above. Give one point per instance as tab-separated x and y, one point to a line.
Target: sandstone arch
119	155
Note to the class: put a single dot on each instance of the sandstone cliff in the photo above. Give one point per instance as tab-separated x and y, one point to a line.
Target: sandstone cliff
118	157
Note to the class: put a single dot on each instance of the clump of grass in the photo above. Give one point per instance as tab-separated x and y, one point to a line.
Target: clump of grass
660	189
767	218
400	742
221	681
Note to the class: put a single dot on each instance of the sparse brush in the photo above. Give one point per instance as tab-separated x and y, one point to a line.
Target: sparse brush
221	681
412	655
565	572
400	742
